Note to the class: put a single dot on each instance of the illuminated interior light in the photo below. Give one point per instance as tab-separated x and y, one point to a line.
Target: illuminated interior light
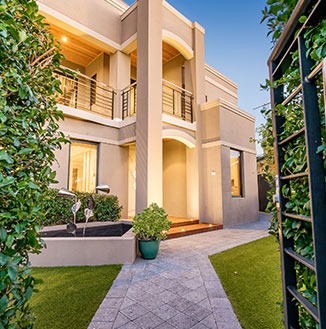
64	39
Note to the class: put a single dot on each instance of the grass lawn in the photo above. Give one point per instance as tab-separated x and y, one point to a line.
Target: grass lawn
68	297
251	277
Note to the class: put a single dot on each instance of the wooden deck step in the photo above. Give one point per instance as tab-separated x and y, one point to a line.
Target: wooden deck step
178	221
179	231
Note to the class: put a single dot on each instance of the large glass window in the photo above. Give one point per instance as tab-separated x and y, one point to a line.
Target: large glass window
235	169
83	166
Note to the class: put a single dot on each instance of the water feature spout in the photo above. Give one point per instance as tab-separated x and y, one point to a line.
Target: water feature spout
90	205
71	227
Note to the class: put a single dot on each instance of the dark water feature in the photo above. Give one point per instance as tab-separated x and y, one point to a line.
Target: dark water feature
118	229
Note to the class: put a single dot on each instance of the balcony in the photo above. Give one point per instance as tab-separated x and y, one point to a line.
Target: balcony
176	101
84	93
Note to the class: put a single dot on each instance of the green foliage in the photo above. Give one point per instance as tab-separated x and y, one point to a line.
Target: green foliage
151	224
68	297
58	209
28	138
277	14
296	192
251	277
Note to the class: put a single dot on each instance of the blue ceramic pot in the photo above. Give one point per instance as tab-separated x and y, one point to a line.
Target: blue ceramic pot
149	248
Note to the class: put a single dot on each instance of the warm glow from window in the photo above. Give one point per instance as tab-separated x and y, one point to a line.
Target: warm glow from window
235	170
83	165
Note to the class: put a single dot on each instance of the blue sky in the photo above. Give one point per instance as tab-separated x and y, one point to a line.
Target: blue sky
235	44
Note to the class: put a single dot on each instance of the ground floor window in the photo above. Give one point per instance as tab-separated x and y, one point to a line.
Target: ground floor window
236	169
83	166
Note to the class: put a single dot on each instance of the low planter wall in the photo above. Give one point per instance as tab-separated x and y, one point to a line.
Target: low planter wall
71	251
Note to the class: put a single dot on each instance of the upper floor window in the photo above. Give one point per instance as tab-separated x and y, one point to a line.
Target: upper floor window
235	170
83	166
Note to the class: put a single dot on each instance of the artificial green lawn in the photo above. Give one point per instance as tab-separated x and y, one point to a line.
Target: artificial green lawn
68	297
251	277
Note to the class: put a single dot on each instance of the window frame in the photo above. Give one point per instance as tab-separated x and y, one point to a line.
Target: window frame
241	176
82	141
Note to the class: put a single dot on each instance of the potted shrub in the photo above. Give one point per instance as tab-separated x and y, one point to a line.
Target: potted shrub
150	227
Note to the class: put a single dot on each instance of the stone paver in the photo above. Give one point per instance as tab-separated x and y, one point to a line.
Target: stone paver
179	289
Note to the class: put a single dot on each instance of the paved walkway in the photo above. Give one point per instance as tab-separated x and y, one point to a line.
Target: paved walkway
179	289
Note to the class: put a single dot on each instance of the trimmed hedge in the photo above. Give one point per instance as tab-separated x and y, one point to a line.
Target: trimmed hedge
58	208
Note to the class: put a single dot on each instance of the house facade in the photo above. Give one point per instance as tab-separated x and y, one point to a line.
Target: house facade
147	116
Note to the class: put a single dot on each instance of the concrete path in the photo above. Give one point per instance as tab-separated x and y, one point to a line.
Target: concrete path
179	289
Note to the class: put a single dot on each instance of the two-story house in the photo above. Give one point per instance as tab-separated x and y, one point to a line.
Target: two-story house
147	116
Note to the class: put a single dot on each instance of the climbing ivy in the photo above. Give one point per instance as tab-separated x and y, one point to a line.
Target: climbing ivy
28	138
296	193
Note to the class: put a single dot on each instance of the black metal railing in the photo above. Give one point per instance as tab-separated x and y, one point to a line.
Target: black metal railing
129	100
177	101
84	93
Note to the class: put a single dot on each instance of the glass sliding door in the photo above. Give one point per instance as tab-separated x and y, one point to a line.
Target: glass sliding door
83	166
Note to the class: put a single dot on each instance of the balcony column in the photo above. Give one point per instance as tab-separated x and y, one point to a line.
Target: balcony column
149	186
119	78
197	65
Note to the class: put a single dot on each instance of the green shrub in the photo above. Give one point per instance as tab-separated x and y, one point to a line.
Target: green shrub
58	208
28	139
151	224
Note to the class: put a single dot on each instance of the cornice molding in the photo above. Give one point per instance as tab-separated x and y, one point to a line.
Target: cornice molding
221	87
220	76
220	102
129	11
177	13
120	5
227	144
197	26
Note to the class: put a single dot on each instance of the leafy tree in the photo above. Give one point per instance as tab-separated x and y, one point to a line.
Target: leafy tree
28	138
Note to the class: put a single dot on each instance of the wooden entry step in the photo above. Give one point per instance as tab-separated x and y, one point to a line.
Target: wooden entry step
179	221
178	229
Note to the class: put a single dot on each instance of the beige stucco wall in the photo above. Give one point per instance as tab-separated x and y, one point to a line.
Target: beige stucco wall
101	67
225	127
73	66
174	178
129	25
239	210
112	159
219	86
212	183
177	26
113	170
96	15
172	70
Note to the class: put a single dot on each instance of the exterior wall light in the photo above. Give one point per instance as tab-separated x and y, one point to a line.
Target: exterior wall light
103	188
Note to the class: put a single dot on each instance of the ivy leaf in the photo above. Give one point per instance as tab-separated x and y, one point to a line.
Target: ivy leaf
12	273
32	186
3	234
7	181
25	150
5	157
3	303
3	259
